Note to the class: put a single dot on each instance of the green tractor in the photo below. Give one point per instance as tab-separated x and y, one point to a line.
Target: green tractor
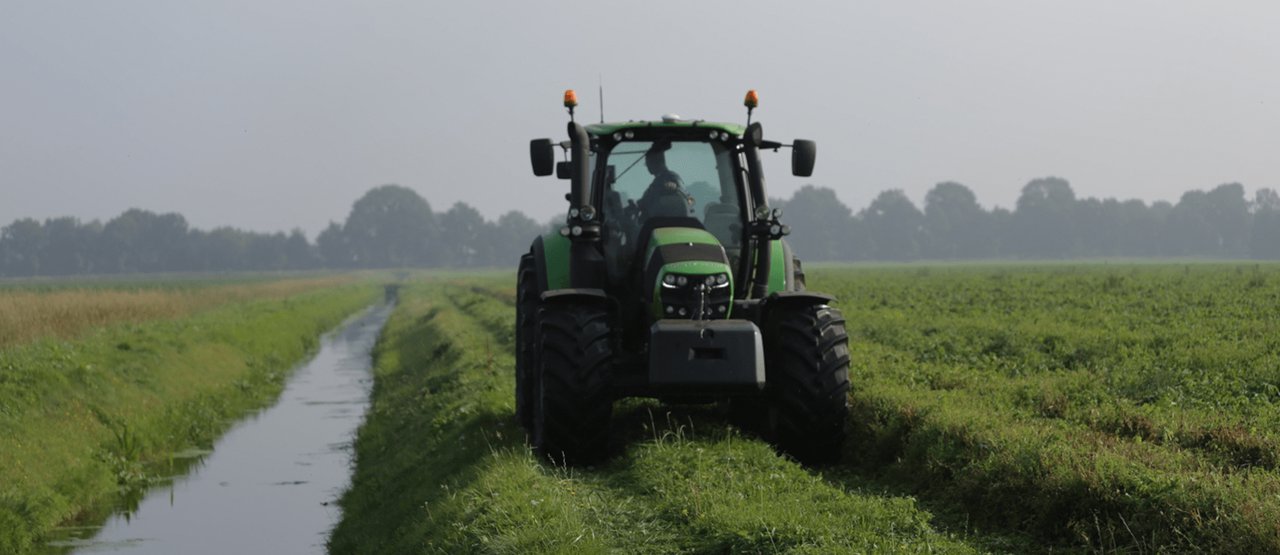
670	279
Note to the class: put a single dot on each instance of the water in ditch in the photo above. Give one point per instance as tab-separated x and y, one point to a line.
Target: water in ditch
270	483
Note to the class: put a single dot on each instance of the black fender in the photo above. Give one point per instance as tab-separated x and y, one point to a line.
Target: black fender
791	299
797	297
582	296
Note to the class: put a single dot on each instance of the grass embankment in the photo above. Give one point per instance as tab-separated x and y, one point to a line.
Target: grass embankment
83	421
441	466
1132	408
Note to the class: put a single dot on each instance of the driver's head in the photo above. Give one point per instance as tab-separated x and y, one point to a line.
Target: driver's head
656	158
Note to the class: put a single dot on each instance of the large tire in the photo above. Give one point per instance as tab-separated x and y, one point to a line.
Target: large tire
575	402
807	377
526	327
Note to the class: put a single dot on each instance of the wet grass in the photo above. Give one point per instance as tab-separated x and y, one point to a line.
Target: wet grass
441	466
86	424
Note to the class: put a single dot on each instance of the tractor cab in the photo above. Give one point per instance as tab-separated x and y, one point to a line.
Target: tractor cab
649	178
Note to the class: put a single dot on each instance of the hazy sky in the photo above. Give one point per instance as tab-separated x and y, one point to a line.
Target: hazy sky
278	114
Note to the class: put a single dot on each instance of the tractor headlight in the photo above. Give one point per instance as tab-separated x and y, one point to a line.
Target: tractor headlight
695	296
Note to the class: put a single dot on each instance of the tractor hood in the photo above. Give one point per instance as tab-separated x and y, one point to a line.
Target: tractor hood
687	273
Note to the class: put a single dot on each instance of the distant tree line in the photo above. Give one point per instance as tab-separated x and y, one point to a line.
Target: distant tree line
1048	222
394	227
388	227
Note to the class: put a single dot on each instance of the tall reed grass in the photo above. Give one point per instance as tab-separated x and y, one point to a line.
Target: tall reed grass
28	314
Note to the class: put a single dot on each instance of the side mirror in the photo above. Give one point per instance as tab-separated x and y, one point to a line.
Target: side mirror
802	154
543	156
564	170
754	134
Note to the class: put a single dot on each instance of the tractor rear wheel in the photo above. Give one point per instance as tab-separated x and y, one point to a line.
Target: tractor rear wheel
574	402
807	377
526	326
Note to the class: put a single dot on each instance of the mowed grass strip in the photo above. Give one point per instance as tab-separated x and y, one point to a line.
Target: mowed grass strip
65	311
89	422
1109	407
442	467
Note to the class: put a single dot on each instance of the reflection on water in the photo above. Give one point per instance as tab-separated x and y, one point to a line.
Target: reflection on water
270	483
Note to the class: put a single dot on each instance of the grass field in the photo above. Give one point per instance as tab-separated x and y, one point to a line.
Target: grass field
1061	407
87	422
1108	407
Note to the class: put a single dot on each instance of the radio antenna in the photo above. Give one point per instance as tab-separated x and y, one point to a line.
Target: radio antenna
601	82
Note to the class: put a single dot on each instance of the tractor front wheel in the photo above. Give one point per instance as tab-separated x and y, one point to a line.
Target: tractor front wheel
807	376
574	402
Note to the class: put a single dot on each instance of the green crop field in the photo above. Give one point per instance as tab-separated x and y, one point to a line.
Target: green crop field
1000	408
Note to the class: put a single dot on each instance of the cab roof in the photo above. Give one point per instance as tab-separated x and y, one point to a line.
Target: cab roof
613	127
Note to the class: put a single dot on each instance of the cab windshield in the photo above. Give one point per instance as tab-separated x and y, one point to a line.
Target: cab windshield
671	178
695	179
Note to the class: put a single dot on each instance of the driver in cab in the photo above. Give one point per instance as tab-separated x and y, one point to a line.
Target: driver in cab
665	196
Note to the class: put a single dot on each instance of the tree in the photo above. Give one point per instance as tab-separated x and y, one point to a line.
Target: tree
1229	218
224	249
821	225
1215	223
268	251
1139	228
334	247
512	236
1042	223
24	241
67	245
1264	238
143	241
894	225
299	253
955	226
392	227
1097	226
463	233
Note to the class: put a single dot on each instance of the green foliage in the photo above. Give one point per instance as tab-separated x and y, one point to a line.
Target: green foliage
442	467
88	424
